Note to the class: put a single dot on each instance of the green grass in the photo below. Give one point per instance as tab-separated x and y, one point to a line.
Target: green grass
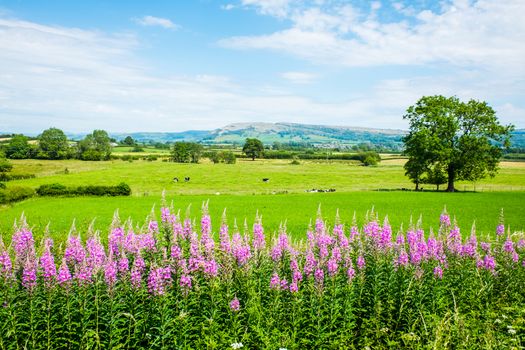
245	177
295	209
240	189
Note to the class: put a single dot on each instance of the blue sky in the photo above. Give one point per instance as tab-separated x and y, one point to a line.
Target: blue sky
177	65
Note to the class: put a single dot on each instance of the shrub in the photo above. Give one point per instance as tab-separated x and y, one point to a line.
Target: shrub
15	194
12	177
57	189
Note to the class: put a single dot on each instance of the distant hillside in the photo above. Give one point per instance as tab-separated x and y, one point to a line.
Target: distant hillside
305	133
518	138
268	133
190	135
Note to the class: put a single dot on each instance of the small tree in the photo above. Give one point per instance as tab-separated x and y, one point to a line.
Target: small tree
180	153
186	152
253	148
52	144
95	146
195	150
229	157
128	141
18	148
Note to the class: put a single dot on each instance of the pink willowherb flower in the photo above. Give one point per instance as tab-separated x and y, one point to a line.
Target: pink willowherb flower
138	268
500	229
110	271
319	276
165	214
508	246
6	266
115	240
361	262
275	281
153	226
156	282
332	267
23	243
284	284
123	264
224	238
350	273
259	240
185	282
47	265
75	253
211	268
294	287
29	274
64	276
96	256
235	305
438	272
489	263
402	260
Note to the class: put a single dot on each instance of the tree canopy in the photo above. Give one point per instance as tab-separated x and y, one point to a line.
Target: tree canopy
95	146
52	144
253	148
186	152
18	148
453	139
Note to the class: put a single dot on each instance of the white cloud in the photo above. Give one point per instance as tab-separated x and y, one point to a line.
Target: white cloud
485	33
299	77
277	8
151	21
79	80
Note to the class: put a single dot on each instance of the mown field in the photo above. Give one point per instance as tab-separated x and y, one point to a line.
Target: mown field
239	189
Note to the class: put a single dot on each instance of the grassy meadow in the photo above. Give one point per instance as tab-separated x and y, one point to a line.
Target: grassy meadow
239	189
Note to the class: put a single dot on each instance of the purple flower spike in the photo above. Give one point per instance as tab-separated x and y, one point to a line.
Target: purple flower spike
64	276
235	305
361	262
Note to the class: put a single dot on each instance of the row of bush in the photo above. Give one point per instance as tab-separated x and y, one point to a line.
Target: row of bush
367	158
12	177
14	194
57	189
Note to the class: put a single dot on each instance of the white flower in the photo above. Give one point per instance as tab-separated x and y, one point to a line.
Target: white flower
237	345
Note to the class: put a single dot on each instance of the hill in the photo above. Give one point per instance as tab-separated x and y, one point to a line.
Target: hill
304	133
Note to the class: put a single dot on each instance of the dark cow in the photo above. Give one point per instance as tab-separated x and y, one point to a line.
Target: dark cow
187	179
266	179
175	179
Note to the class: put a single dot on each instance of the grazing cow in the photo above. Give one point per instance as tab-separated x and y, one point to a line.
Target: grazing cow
266	179
187	179
175	179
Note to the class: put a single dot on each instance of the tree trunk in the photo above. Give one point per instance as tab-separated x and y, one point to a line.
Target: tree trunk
417	186
451	178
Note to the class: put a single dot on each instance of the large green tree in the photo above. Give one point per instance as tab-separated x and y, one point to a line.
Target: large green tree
463	140
18	148
253	148
52	144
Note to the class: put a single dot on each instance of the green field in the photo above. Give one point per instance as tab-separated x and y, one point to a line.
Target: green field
240	189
